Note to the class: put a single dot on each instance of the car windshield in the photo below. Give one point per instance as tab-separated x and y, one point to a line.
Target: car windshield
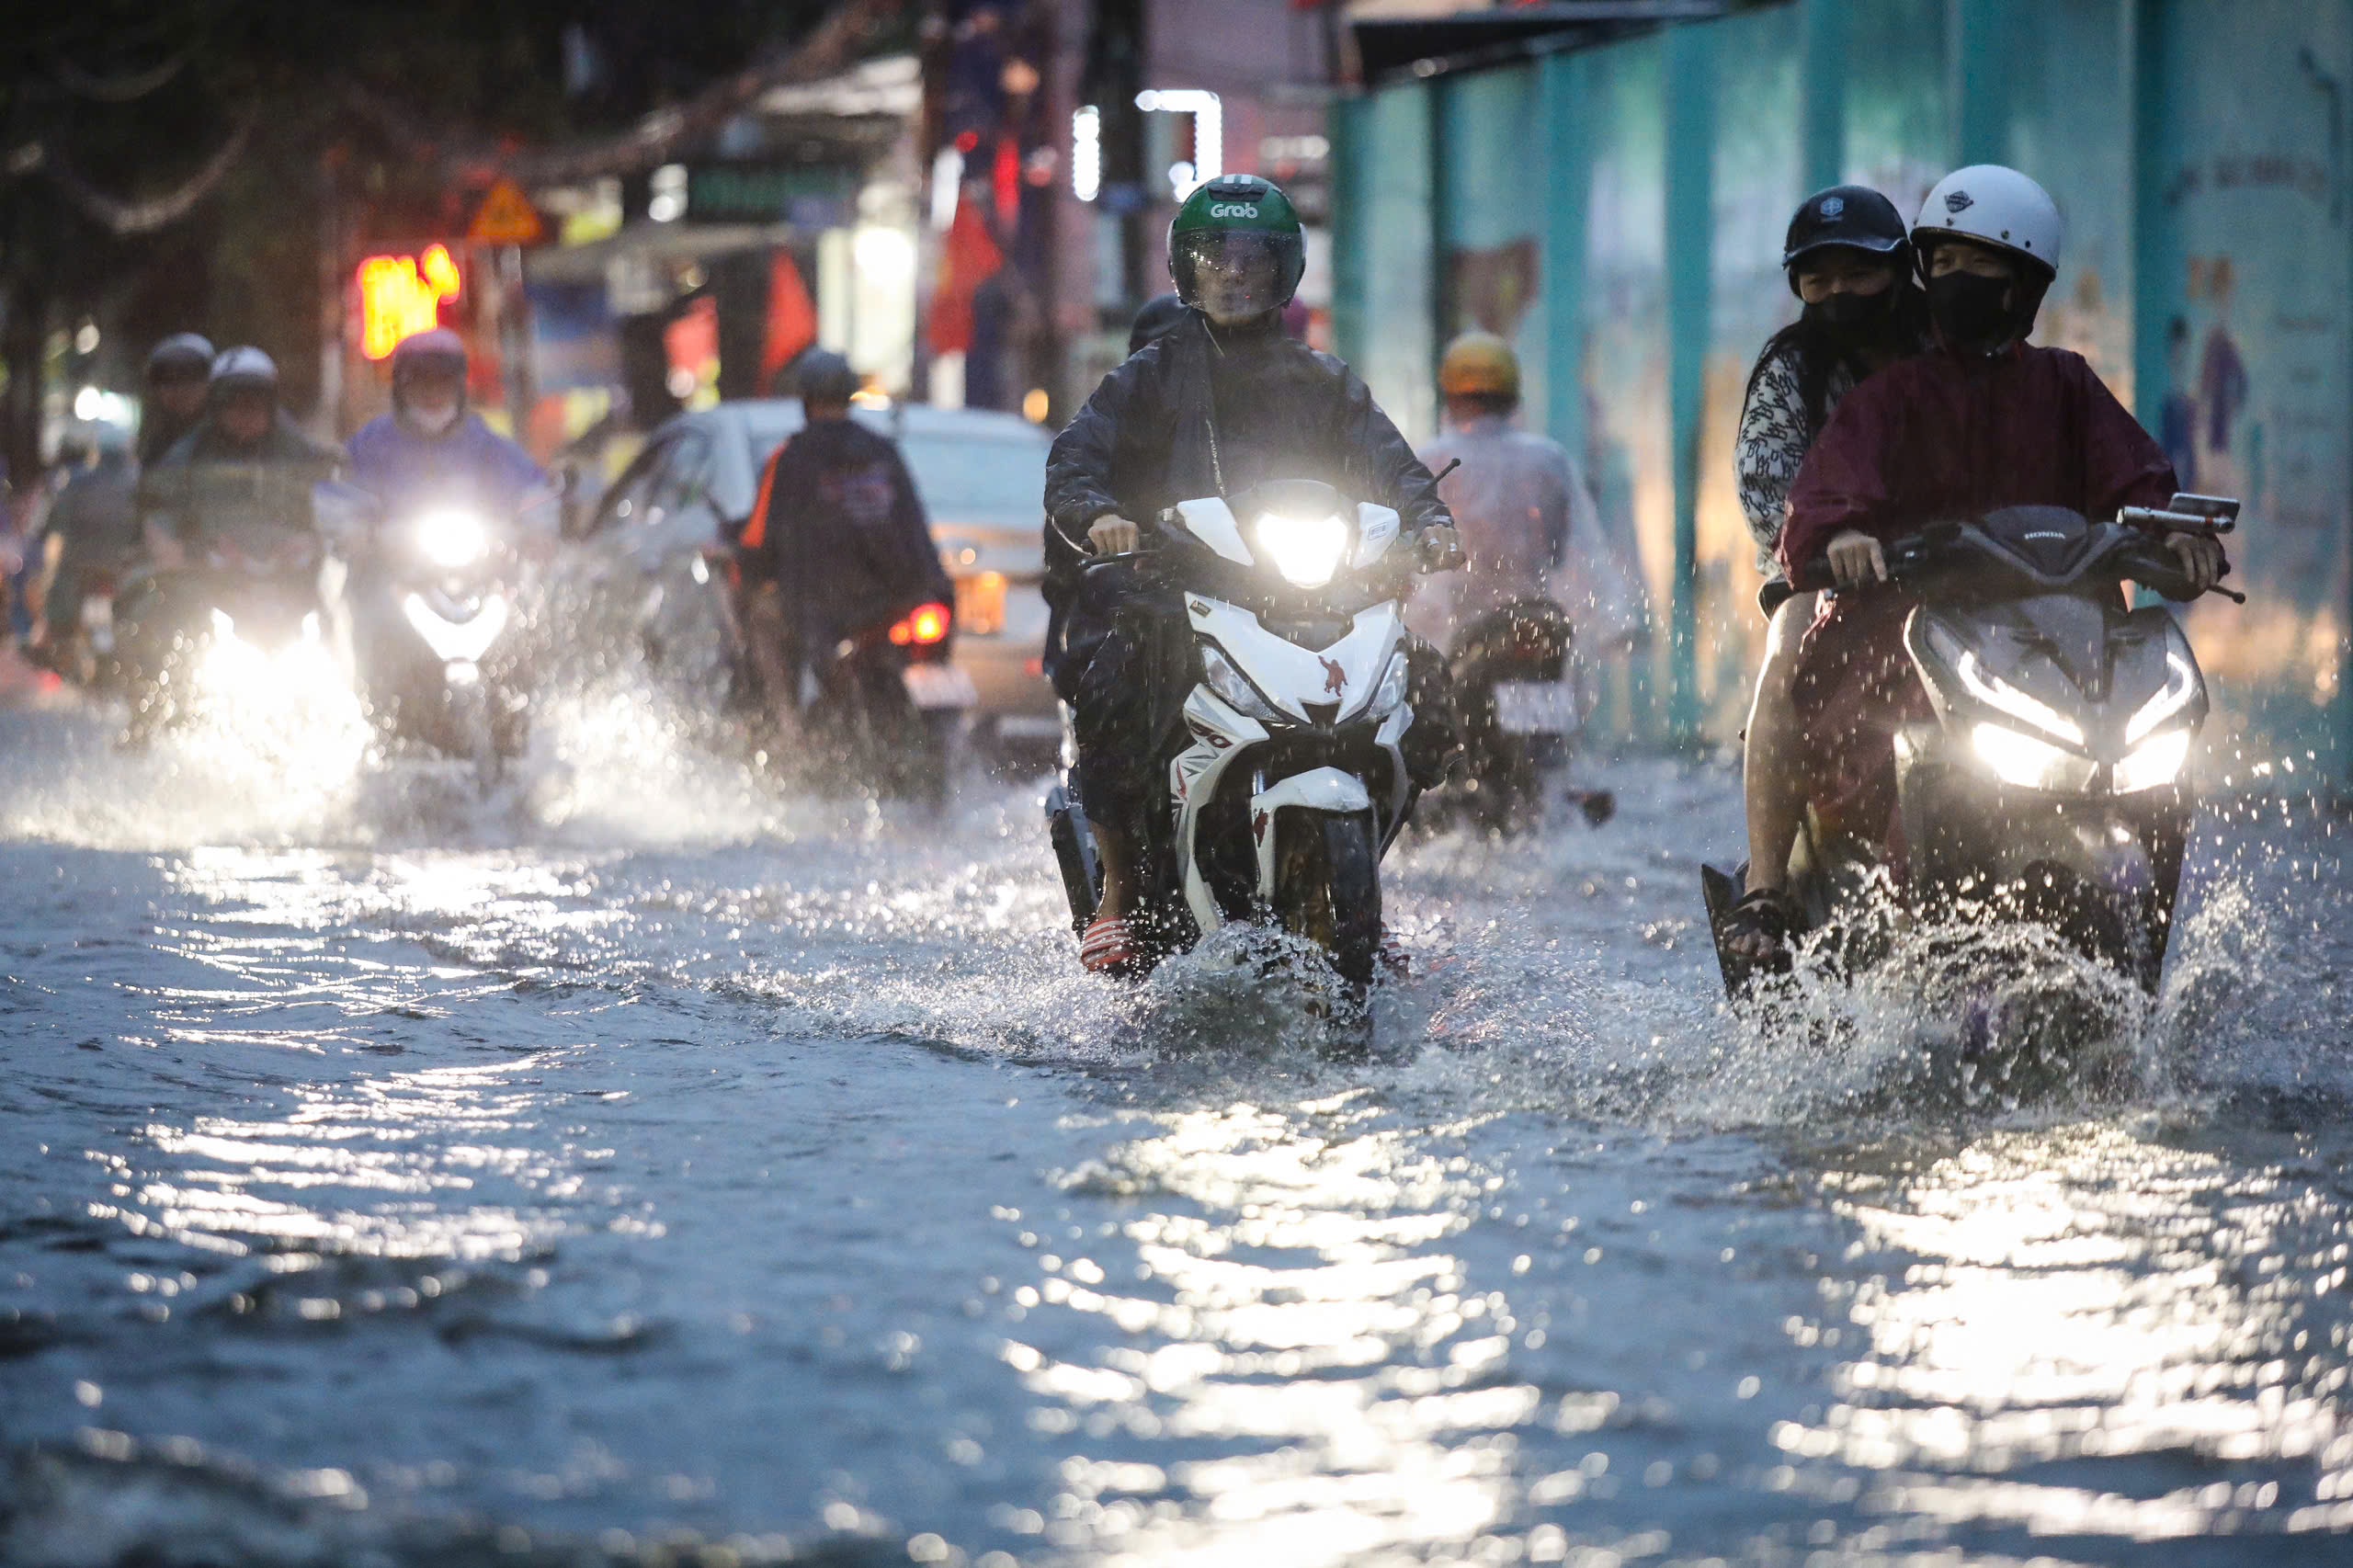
982	480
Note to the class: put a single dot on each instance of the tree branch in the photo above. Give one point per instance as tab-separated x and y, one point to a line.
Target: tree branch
142	217
122	90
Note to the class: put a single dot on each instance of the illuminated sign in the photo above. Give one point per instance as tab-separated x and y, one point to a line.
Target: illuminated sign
401	296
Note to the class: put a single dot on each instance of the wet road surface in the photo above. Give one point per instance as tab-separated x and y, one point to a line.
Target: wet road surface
655	1171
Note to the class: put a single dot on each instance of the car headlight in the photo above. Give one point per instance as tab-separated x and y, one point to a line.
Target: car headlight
452	539
1391	690
2021	759
2154	762
1306	551
1234	688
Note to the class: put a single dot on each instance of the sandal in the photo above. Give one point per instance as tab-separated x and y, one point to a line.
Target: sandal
1110	947
1763	917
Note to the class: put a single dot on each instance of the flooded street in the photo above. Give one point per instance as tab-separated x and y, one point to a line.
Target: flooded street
654	1168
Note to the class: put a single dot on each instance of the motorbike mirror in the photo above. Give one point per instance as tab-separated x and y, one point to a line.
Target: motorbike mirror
2221	511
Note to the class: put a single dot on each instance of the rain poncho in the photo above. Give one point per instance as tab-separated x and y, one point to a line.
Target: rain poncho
405	469
1529	530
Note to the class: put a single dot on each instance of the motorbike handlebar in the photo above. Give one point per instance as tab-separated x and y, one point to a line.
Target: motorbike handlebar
2148	563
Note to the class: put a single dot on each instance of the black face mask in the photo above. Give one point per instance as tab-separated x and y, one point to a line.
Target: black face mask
1971	312
1853	319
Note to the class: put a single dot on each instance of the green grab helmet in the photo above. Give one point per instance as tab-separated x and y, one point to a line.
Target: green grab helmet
1234	248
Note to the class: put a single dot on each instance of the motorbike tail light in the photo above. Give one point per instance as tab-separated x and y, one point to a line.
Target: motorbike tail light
926	627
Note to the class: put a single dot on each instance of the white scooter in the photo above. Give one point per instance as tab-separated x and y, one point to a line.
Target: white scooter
1289	778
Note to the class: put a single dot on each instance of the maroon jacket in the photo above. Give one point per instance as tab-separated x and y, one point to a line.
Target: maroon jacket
1932	438
1937	438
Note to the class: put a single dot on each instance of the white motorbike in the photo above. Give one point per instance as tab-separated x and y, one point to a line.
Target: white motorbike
1288	781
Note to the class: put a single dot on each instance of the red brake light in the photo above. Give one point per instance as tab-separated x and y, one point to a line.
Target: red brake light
926	626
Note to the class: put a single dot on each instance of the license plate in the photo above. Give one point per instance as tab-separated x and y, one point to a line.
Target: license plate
980	603
1536	707
940	686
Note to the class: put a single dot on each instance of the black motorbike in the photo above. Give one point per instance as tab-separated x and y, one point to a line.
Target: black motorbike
245	611
1515	701
219	631
2051	785
878	709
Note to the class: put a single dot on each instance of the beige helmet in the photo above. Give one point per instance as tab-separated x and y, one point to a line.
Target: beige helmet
1479	364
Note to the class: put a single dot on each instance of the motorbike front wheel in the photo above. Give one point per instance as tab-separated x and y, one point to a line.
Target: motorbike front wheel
1327	888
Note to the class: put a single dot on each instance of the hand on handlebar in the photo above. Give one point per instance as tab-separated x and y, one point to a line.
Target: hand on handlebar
2201	556
1440	547
1854	558
1112	534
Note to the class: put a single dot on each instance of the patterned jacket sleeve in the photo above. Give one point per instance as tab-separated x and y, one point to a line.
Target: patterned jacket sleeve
1770	447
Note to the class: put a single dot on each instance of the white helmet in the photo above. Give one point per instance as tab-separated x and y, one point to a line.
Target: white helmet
244	368
1995	206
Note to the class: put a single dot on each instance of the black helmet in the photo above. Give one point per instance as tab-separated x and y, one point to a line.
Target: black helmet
825	377
1159	314
1847	217
183	355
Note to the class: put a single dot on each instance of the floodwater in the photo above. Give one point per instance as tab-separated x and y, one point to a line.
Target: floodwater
645	1169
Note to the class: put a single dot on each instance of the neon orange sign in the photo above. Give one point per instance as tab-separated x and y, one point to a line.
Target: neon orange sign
401	296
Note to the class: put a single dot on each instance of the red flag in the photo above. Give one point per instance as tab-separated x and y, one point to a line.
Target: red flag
968	259
691	342
792	318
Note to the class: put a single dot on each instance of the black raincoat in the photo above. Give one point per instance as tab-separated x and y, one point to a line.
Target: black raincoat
1199	412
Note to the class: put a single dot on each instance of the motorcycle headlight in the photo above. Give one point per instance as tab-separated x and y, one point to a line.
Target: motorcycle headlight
1234	688
452	539
1306	551
1391	690
2001	696
2021	759
2154	762
2181	685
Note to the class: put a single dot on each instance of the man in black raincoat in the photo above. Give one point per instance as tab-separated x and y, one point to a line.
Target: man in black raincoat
1218	403
837	543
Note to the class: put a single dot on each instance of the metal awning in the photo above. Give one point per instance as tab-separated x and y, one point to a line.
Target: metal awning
1431	43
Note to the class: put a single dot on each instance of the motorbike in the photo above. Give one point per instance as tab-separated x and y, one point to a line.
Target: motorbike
440	640
1515	697
885	705
248	612
1288	781
84	652
880	707
2049	786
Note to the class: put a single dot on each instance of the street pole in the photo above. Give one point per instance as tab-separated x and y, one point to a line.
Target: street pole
1690	232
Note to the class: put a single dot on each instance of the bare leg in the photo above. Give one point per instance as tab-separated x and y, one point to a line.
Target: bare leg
1118	857
1774	760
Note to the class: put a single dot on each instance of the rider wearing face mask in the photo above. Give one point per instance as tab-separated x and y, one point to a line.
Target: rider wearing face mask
1848	258
431	449
1220	401
1984	421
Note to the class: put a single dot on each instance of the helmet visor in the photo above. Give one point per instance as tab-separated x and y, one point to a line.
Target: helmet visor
1235	273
